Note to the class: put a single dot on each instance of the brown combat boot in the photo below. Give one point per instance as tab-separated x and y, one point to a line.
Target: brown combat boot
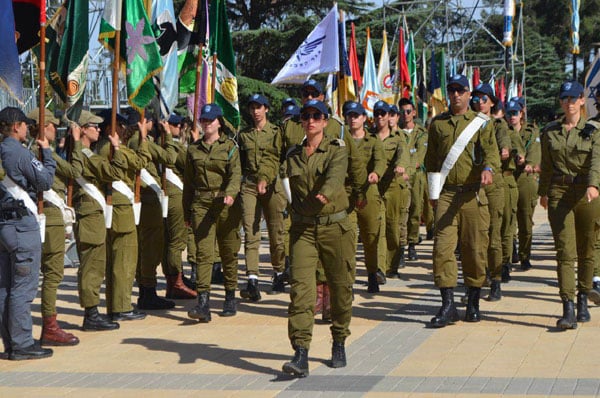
319	302
53	335
326	316
177	290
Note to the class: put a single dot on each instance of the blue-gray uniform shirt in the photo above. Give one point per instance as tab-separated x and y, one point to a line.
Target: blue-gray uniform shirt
25	169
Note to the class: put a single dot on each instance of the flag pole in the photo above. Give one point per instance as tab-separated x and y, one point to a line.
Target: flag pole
213	83
115	103
42	104
199	64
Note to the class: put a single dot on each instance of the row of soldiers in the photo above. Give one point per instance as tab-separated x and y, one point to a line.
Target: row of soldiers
120	241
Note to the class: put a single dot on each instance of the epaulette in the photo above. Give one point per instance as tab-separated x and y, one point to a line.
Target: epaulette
339	142
550	126
87	152
588	130
441	116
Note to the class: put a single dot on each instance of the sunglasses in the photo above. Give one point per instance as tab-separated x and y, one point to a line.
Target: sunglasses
314	116
480	98
405	111
310	93
513	113
460	90
379	113
570	100
90	125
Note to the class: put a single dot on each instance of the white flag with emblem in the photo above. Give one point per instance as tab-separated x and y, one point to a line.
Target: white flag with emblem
592	87
318	53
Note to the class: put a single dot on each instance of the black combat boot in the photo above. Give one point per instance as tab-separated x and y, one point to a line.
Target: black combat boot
298	366
93	320
401	261
373	286
277	285
201	312
217	274
448	313
412	252
338	355
594	294
191	281
229	305
505	276
252	291
148	300
286	271
34	351
381	277
583	315
472	314
495	291
568	320
515	253
525	265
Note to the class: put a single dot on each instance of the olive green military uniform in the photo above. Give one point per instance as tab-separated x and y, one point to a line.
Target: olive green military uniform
122	238
495	197
211	173
53	249
356	173
369	218
511	194
175	230
418	180
90	229
528	187
571	163
319	234
260	151
151	235
394	190
461	211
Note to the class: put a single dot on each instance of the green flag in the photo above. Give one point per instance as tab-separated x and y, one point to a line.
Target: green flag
226	93
140	55
411	60
67	53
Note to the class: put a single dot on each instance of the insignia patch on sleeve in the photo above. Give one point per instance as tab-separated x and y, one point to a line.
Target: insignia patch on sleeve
37	164
537	139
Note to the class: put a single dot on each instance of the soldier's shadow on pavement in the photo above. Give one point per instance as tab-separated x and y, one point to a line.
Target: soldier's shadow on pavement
191	352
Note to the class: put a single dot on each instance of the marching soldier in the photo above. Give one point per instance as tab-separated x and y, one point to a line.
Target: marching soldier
320	233
211	183
461	212
569	183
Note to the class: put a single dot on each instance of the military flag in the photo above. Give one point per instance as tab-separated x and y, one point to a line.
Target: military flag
476	76
574	8
509	15
411	60
192	30
345	87
422	93
10	69
318	53
436	101
384	76
67	57
225	90
592	87
369	94
139	54
28	16
441	70
165	30
354	67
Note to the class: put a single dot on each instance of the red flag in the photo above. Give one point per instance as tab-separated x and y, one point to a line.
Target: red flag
404	74
29	14
476	78
519	89
354	67
502	90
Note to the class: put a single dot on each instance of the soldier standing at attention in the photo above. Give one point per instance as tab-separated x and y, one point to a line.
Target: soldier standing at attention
461	213
53	248
261	193
393	188
211	182
175	229
90	206
20	244
569	182
320	233
483	100
369	217
417	142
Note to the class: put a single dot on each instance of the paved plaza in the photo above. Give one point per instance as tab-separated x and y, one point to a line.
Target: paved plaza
515	350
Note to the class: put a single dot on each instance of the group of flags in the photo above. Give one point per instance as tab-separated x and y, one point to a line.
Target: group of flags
157	52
